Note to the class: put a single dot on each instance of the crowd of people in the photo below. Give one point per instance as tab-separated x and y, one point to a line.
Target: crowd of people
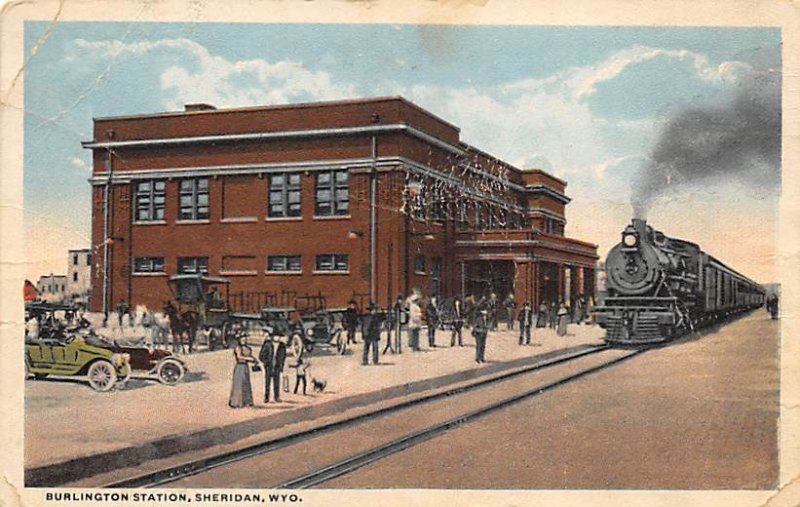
483	315
406	317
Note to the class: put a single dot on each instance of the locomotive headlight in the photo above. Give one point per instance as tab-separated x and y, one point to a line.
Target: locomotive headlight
630	239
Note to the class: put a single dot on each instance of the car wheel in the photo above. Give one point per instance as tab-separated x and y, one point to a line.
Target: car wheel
102	376
170	372
295	347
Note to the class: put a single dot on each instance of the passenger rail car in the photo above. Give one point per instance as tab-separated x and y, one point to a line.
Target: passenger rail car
660	287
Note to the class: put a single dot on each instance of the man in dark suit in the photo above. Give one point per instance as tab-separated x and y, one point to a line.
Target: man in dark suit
350	321
480	328
525	321
457	323
273	357
432	318
371	327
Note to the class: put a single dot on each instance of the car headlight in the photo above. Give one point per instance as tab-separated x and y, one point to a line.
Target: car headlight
630	239
310	332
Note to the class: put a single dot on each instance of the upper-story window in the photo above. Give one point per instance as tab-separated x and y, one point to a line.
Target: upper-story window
284	195
478	216
150	198
88	259
332	193
491	219
193	199
437	204
192	265
74	259
463	218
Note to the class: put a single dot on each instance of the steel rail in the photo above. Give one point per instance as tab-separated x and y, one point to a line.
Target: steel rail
195	467
377	453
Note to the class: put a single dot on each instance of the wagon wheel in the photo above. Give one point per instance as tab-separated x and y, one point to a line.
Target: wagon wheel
170	372
214	338
295	347
341	342
102	376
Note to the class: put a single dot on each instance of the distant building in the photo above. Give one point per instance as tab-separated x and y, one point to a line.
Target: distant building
79	272
52	288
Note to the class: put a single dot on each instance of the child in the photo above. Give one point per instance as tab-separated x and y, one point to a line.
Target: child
302	368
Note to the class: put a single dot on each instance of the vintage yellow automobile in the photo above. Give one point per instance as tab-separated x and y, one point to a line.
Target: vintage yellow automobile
72	356
54	351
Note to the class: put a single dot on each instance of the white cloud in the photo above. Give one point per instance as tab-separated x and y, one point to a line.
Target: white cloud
226	83
80	164
579	83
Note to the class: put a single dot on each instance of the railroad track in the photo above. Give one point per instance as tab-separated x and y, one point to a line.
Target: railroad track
342	467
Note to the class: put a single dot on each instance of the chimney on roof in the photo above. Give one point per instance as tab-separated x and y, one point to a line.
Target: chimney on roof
190	108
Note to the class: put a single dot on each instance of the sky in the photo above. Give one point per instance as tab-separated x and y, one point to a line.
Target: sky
592	105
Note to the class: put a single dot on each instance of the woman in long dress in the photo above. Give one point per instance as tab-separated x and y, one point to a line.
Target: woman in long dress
241	390
563	320
541	317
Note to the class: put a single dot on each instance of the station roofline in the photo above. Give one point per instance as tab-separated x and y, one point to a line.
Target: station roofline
299	105
542	171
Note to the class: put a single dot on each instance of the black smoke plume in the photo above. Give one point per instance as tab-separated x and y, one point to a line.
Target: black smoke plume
738	139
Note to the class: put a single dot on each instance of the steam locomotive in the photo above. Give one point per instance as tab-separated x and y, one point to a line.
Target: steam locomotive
660	288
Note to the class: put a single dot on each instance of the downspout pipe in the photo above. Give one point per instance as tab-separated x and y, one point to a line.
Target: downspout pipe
106	227
372	220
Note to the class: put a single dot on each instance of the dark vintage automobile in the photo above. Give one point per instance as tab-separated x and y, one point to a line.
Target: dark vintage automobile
324	328
148	363
318	328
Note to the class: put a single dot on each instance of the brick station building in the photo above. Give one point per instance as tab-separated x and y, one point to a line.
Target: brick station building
368	197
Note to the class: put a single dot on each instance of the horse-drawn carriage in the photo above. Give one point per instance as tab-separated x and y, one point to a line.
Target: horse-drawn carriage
198	308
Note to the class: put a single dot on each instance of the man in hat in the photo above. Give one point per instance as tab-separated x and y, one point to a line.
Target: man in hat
432	318
399	316
480	329
273	356
350	321
371	333
457	323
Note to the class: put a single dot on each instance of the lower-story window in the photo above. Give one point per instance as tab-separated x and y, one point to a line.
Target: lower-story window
331	262
283	263
148	265
192	265
419	264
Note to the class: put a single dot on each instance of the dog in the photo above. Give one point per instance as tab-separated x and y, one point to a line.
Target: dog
319	385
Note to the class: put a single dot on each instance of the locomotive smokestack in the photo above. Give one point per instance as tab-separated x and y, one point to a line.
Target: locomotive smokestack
640	225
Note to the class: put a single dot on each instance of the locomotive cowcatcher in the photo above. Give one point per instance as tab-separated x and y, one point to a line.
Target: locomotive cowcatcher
661	287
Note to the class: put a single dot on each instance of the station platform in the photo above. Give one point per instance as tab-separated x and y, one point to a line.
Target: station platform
72	431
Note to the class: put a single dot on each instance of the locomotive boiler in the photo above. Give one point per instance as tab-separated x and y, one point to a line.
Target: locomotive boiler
660	288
